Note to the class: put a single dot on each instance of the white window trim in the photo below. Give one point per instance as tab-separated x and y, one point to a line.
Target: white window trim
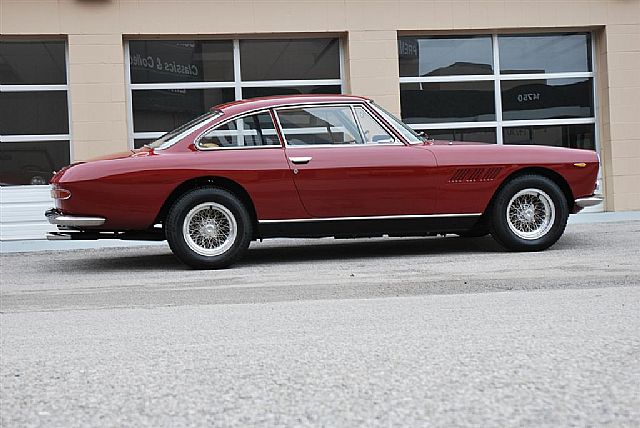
237	84
499	124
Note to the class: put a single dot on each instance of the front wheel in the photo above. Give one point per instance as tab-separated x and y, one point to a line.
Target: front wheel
529	214
208	228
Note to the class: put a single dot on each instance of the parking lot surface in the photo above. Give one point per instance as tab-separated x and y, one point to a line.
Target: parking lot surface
430	331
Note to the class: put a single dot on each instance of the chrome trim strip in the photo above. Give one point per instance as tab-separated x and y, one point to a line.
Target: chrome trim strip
380	217
57	237
67	220
589	201
300	159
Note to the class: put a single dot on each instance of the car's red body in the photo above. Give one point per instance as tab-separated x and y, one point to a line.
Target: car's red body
133	190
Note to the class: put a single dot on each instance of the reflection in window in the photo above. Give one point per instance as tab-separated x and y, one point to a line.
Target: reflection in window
319	125
287	59
32	63
480	135
34	113
548	53
289	90
445	56
162	61
166	109
547	99
572	136
249	131
447	102
372	130
31	162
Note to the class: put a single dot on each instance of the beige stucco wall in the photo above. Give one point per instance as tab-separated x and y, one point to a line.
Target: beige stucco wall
95	30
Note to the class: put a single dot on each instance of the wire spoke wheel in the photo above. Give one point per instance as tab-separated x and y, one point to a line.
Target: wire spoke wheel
530	214
210	229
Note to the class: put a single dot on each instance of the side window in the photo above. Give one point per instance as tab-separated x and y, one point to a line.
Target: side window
373	132
333	125
250	131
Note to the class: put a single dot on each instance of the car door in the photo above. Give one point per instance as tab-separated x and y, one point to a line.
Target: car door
347	164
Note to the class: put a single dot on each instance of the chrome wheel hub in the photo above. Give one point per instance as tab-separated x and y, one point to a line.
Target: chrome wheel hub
210	229
530	214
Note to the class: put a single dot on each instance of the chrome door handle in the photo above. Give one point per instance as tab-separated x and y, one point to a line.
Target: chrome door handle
300	160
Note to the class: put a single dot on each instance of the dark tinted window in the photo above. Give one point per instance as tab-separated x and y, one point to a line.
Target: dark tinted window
32	63
445	56
447	102
573	136
290	59
549	53
481	135
166	109
547	99
288	90
156	61
33	113
31	162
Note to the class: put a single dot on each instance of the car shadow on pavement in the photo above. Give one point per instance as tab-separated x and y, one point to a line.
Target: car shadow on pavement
287	251
345	249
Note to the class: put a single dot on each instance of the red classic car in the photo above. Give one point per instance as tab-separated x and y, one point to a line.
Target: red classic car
317	166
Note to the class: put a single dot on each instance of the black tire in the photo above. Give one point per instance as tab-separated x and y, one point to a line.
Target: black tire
538	213
208	228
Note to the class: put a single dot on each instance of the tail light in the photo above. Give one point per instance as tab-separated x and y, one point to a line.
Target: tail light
58	193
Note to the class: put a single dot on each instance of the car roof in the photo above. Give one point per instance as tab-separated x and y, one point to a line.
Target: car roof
241	106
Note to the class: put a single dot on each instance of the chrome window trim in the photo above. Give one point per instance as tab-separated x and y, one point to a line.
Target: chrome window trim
172	141
381	217
395	141
351	106
233	119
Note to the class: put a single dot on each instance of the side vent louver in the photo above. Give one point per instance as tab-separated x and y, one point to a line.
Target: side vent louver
469	175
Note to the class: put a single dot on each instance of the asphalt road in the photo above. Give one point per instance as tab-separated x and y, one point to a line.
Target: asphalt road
434	331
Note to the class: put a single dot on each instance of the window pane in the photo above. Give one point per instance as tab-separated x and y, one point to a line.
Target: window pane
573	136
166	109
447	102
31	163
290	59
250	131
547	99
445	56
156	61
373	131
319	125
549	53
288	90
34	113
32	63
481	135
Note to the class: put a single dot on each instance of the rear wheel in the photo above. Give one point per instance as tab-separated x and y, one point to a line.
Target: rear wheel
529	214
208	228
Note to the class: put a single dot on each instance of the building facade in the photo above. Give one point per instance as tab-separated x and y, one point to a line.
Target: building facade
83	78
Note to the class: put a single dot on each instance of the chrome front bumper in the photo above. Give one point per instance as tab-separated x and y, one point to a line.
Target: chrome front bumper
589	201
59	219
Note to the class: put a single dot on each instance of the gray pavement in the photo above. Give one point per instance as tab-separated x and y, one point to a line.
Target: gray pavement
373	332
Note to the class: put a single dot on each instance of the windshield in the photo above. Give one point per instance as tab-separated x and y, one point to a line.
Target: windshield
409	134
169	139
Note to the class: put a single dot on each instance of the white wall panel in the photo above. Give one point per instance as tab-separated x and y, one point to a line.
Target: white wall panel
22	212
